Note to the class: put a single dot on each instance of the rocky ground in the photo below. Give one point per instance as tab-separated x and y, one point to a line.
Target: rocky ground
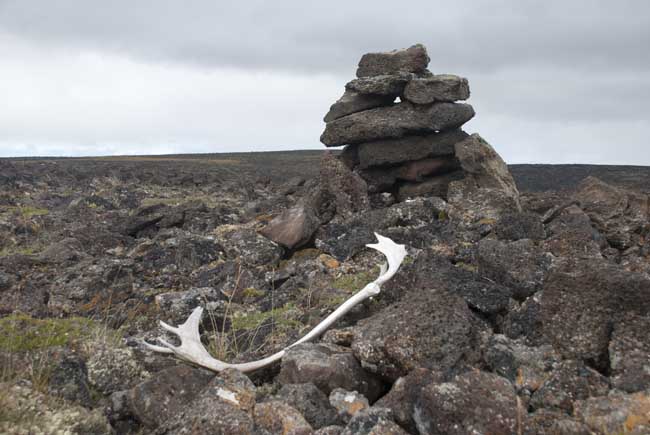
500	321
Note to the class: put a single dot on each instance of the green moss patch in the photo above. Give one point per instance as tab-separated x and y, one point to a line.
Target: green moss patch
357	281
284	318
22	333
26	211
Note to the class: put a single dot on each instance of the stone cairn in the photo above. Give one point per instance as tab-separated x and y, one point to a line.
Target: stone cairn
401	124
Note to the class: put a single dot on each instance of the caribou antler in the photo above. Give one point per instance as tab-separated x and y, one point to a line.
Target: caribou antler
191	349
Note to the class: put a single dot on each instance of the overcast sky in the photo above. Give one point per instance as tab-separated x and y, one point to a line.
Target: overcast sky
551	81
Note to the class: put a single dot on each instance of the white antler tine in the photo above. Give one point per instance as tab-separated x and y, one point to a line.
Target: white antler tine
156	348
168	327
192	323
168	345
393	252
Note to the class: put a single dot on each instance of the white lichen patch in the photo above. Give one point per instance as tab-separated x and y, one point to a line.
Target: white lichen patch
227	395
25	411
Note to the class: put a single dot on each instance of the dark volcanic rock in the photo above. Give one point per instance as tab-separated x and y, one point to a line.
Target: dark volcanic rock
154	401
629	354
525	320
434	186
616	413
622	216
395	121
382	178
353	102
442	87
373	421
312	403
405	393
250	247
347	190
549	422
347	403
345	239
568	382
417	170
328	367
393	151
69	379
413	59
433	329
519	265
525	366
571	235
524	225
224	406
293	228
474	402
583	301
277	417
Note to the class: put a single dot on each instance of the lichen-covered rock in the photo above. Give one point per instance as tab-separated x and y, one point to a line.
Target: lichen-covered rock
572	235
629	353
568	382
249	247
26	411
484	166
113	367
517	226
440	87
519	265
431	328
620	215
547	422
224	406
278	417
154	401
312	403
474	402
395	121
413	59
347	403
616	413
328	367
330	430
583	299
373	421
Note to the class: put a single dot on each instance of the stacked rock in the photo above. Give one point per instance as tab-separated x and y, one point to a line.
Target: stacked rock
401	123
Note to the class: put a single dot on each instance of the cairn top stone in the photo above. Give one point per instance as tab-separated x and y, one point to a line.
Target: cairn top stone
442	87
413	59
395	121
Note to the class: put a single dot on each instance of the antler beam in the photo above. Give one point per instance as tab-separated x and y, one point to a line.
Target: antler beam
191	349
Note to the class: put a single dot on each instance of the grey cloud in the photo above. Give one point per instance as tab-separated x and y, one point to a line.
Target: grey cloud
329	36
